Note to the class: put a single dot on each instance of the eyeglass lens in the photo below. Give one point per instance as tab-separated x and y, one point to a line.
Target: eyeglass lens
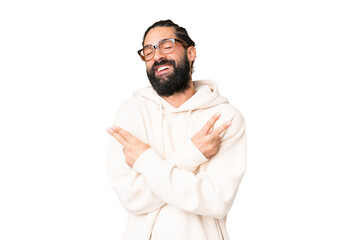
165	47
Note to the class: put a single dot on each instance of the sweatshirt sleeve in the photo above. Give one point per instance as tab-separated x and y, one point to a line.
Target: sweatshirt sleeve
188	157
129	185
209	193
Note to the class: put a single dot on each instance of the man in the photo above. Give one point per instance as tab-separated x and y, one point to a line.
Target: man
177	150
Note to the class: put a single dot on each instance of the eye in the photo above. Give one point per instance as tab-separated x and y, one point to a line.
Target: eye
167	46
148	51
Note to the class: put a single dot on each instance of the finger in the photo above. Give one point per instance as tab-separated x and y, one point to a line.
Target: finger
115	128
129	138
211	130
210	124
221	128
125	134
118	129
117	136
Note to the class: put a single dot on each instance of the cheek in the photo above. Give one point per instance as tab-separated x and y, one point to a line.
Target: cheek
148	66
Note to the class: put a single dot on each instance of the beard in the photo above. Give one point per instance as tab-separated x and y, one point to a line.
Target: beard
175	82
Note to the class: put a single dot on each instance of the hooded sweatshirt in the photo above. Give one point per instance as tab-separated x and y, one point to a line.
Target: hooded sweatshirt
173	191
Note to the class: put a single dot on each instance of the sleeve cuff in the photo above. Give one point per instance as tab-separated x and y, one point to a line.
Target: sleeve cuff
149	164
189	157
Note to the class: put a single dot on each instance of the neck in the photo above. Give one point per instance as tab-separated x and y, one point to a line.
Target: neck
178	99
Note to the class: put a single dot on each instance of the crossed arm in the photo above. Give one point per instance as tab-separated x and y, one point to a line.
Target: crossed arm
206	140
147	186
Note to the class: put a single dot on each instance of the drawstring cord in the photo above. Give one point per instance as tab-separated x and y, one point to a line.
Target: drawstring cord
187	119
162	129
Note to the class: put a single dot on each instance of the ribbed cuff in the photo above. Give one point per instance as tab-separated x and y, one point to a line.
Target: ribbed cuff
148	164
189	157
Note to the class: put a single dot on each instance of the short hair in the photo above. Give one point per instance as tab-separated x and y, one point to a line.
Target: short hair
180	33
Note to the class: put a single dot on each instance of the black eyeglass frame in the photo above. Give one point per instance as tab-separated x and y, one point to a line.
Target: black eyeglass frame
157	46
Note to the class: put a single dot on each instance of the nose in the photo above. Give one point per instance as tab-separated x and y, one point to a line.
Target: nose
158	55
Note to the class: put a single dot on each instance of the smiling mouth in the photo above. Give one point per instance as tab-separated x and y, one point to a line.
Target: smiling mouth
162	69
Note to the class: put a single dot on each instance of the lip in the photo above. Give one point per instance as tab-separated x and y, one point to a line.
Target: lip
164	70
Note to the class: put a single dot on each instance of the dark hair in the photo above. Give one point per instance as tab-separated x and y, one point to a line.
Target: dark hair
180	33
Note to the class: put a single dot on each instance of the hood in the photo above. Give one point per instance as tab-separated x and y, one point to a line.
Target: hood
206	96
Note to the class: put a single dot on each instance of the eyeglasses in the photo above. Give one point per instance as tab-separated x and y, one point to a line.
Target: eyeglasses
165	46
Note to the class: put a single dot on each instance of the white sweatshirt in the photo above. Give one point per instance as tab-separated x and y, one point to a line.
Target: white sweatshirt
173	191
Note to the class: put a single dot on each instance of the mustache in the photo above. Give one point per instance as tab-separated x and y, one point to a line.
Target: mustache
164	61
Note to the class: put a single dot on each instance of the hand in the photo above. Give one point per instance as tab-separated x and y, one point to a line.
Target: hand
133	147
208	140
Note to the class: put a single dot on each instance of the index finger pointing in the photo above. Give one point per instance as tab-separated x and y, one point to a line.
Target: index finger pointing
210	123
125	134
222	128
117	136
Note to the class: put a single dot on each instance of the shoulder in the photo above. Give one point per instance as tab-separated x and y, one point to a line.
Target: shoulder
130	106
129	112
231	113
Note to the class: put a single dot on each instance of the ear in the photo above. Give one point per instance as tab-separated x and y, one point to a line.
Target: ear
191	53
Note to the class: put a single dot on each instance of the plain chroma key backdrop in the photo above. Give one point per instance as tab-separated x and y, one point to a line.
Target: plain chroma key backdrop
290	67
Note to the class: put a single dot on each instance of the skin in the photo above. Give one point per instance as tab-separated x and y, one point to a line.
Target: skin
153	37
207	140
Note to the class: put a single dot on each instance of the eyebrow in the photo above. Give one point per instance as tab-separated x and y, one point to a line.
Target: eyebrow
149	45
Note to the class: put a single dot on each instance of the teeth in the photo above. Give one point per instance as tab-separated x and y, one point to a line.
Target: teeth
162	68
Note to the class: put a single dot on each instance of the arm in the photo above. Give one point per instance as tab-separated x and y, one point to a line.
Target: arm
209	193
129	186
188	157
201	147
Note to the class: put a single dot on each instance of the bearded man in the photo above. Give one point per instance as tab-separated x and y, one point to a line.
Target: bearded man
177	150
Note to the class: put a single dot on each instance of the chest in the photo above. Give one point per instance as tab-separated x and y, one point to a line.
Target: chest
167	132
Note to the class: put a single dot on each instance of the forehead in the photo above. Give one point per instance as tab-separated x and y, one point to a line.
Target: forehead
157	34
